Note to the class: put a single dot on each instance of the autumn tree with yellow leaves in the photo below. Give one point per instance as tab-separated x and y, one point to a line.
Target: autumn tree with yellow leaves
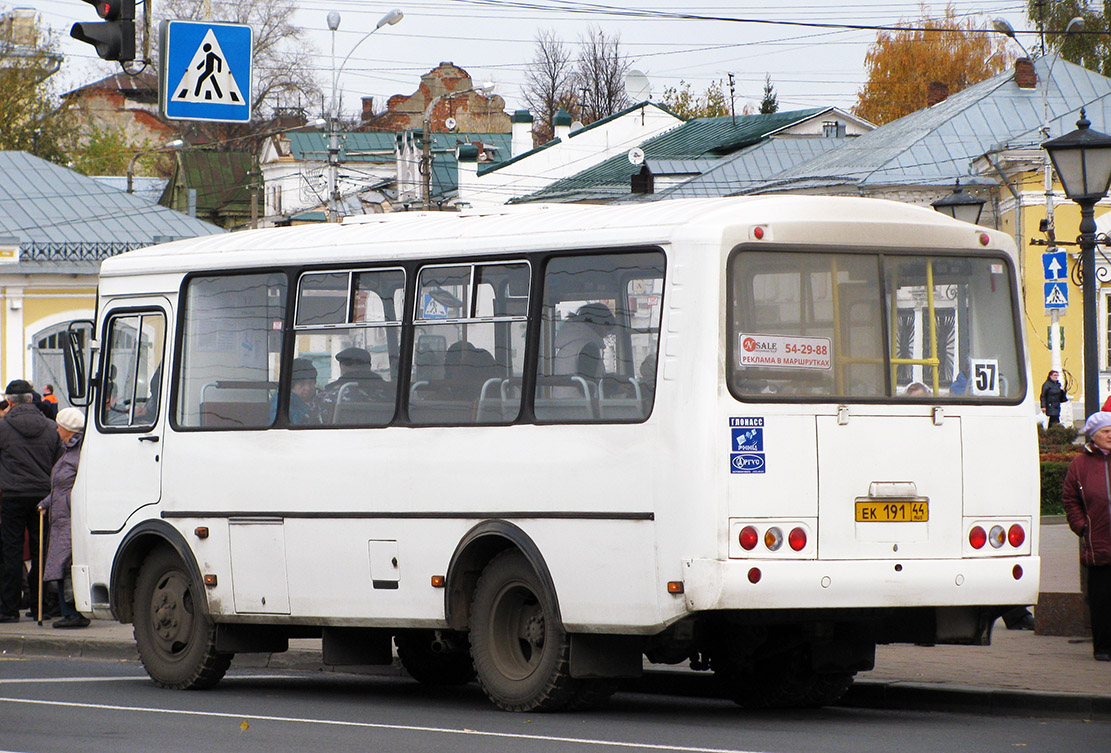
901	65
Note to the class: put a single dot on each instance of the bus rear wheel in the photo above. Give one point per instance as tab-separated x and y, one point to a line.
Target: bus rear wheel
176	640
521	654
418	654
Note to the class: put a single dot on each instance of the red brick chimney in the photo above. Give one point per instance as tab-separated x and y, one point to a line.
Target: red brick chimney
1025	76
937	91
368	108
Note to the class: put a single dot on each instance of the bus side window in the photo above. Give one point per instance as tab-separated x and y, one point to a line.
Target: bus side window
599	337
132	372
469	341
231	347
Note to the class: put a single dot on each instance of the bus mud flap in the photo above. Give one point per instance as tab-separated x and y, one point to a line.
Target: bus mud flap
604	656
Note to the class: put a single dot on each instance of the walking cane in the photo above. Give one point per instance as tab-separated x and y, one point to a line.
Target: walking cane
42	514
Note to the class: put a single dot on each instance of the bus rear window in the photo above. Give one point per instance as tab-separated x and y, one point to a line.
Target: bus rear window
872	327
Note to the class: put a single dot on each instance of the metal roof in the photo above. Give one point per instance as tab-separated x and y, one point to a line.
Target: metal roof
59	214
936	145
700	138
379	146
751	166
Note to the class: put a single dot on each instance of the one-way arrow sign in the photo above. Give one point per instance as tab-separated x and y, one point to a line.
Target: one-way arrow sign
1055	265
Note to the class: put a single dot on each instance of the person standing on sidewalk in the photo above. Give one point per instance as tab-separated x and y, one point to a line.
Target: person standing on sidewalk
1053	394
59	554
1087	501
29	448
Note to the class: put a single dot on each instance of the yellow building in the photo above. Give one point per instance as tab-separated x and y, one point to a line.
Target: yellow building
55	227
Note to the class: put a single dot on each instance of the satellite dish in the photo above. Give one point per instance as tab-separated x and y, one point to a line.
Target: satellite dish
636	156
450	124
637	86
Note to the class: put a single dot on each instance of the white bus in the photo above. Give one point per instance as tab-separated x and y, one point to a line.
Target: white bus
545	445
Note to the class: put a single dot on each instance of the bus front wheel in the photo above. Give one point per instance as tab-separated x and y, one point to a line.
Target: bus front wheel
521	653
176	640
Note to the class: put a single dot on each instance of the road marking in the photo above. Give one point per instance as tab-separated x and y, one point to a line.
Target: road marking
132	678
373	725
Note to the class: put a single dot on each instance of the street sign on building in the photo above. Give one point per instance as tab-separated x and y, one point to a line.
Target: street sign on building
1055	265
1056	295
205	71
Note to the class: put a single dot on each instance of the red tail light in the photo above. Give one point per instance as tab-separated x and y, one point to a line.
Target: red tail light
797	539
748	538
977	537
1016	535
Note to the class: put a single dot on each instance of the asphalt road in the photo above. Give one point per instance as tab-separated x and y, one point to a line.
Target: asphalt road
66	705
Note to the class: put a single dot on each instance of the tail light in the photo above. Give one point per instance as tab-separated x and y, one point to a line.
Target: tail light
1016	536
748	538
797	539
977	537
773	539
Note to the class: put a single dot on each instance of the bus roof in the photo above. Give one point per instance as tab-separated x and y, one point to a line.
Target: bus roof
401	235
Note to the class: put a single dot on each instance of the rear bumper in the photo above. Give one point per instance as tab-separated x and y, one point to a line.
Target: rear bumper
727	584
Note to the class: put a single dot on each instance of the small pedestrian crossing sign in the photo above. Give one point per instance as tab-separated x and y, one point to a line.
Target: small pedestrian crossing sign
205	71
1056	295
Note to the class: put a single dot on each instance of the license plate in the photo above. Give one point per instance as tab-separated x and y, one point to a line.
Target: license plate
892	512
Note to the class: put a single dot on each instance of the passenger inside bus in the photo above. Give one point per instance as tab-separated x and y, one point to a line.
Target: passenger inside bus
581	341
357	383
302	391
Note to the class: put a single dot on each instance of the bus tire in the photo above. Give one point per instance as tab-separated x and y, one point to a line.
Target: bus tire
415	650
521	652
176	639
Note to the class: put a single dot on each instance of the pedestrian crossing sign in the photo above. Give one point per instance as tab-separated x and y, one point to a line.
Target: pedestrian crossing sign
1056	295
205	71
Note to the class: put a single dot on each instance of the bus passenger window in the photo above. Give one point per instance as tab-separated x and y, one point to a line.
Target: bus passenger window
132	373
346	347
599	337
469	343
231	350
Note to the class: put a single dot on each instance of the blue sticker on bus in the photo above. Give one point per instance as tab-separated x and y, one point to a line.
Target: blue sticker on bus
746	444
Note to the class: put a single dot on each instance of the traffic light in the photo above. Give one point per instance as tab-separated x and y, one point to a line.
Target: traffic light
113	38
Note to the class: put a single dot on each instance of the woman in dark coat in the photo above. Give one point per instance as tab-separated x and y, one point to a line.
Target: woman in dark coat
59	554
1053	394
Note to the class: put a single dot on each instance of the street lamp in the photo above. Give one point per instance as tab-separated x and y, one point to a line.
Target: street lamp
176	143
1074	25
1082	160
389	19
426	138
959	205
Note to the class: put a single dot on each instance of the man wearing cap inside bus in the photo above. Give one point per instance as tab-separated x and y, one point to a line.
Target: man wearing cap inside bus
357	381
1087	501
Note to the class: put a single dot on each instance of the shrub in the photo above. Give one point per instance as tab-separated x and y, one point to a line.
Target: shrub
1053	478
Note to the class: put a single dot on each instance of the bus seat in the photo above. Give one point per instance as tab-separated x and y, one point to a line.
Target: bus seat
428	358
620	399
564	398
240	415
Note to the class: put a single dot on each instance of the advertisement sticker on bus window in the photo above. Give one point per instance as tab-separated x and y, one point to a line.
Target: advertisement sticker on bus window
985	376
746	445
784	351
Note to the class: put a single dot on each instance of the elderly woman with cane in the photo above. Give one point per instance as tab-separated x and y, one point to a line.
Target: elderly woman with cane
71	428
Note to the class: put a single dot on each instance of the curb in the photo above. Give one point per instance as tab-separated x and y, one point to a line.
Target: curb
863	694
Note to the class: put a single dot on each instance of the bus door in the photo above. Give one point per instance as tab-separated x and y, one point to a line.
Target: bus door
122	455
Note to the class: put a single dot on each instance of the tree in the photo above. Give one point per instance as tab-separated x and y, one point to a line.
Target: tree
901	64
549	84
770	102
1092	49
34	121
686	104
600	76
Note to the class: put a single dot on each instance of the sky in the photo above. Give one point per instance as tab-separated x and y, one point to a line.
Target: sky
494	40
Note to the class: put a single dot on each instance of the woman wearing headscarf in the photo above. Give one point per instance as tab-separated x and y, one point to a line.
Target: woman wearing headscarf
1087	501
59	554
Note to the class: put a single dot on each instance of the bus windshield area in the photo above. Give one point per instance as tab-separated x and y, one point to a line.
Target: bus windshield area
872	327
